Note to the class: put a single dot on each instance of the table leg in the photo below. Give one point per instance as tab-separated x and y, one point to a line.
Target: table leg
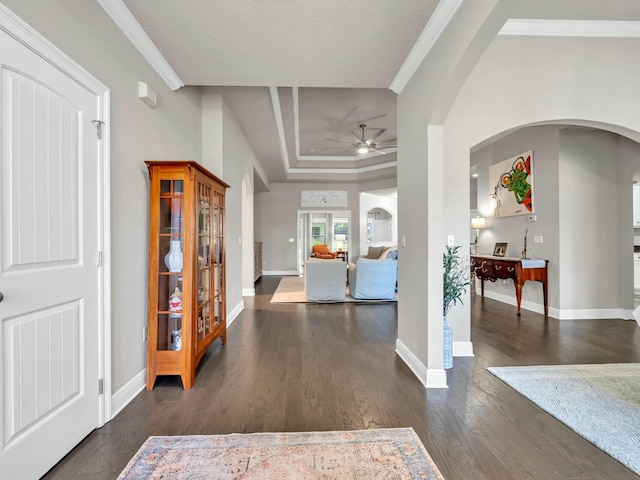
518	294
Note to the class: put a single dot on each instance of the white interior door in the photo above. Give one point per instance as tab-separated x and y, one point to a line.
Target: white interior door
49	275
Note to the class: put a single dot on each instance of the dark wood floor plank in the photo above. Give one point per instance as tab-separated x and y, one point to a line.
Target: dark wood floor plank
312	367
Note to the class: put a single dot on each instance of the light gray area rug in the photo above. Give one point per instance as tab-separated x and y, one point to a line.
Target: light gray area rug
291	290
599	402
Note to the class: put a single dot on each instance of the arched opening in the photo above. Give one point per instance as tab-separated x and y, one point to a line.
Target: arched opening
379	222
378	217
582	218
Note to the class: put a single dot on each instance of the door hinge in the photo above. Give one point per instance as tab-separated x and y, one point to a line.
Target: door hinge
100	258
101	386
98	124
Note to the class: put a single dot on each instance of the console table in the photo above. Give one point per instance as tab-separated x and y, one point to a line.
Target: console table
487	267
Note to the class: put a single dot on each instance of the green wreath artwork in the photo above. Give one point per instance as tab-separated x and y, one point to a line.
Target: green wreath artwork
513	176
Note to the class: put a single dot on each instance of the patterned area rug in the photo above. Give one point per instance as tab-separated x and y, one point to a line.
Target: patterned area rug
395	453
599	402
291	290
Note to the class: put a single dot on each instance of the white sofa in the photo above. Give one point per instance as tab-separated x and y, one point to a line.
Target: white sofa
325	280
382	252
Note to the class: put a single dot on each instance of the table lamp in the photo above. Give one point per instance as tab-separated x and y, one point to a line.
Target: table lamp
476	224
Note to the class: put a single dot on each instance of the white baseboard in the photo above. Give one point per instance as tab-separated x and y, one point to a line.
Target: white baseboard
248	292
463	349
231	316
280	272
564	314
598	314
429	378
128	392
436	378
511	300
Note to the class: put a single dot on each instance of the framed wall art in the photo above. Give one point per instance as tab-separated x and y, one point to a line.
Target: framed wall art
511	186
500	249
324	198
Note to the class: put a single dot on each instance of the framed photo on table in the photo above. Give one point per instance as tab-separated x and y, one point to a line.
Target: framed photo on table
500	249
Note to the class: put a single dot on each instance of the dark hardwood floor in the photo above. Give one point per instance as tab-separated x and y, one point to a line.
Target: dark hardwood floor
296	367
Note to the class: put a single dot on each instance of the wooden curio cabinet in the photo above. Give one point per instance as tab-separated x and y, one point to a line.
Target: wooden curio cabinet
186	304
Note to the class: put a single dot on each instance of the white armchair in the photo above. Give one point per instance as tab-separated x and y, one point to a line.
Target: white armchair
325	280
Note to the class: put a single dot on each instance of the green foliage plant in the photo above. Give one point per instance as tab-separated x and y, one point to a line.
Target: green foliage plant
455	278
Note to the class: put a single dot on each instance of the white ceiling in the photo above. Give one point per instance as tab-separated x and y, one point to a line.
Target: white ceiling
328	43
294	72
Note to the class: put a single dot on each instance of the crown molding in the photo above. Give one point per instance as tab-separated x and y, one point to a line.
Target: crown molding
446	9
345	158
441	17
343	171
277	113
124	19
571	28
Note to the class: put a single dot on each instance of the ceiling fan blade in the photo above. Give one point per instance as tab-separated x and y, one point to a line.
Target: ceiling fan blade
346	149
380	132
365	120
337	141
377	151
358	140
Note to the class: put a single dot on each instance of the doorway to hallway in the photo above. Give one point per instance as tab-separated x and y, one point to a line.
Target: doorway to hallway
317	227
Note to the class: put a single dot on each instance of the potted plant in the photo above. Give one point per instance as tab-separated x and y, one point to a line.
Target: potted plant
455	279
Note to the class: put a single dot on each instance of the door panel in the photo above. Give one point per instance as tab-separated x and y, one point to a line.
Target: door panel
49	335
43	161
39	377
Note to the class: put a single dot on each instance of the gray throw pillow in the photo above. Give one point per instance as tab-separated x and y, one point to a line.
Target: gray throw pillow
375	252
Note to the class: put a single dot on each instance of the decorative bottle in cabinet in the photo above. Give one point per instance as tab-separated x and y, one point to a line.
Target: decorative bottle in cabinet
186	302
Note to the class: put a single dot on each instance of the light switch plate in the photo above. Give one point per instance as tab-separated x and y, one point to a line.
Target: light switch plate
450	241
538	239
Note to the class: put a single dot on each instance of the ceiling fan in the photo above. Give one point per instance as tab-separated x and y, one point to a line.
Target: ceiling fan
363	145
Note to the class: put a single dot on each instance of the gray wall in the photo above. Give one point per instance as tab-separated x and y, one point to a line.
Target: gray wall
595	221
171	130
228	154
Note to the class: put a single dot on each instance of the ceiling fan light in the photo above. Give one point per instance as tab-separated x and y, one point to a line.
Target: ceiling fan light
363	149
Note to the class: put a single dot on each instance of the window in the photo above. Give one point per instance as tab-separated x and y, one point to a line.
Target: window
340	234
318	234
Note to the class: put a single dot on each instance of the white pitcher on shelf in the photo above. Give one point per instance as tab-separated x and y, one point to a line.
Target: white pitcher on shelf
173	259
